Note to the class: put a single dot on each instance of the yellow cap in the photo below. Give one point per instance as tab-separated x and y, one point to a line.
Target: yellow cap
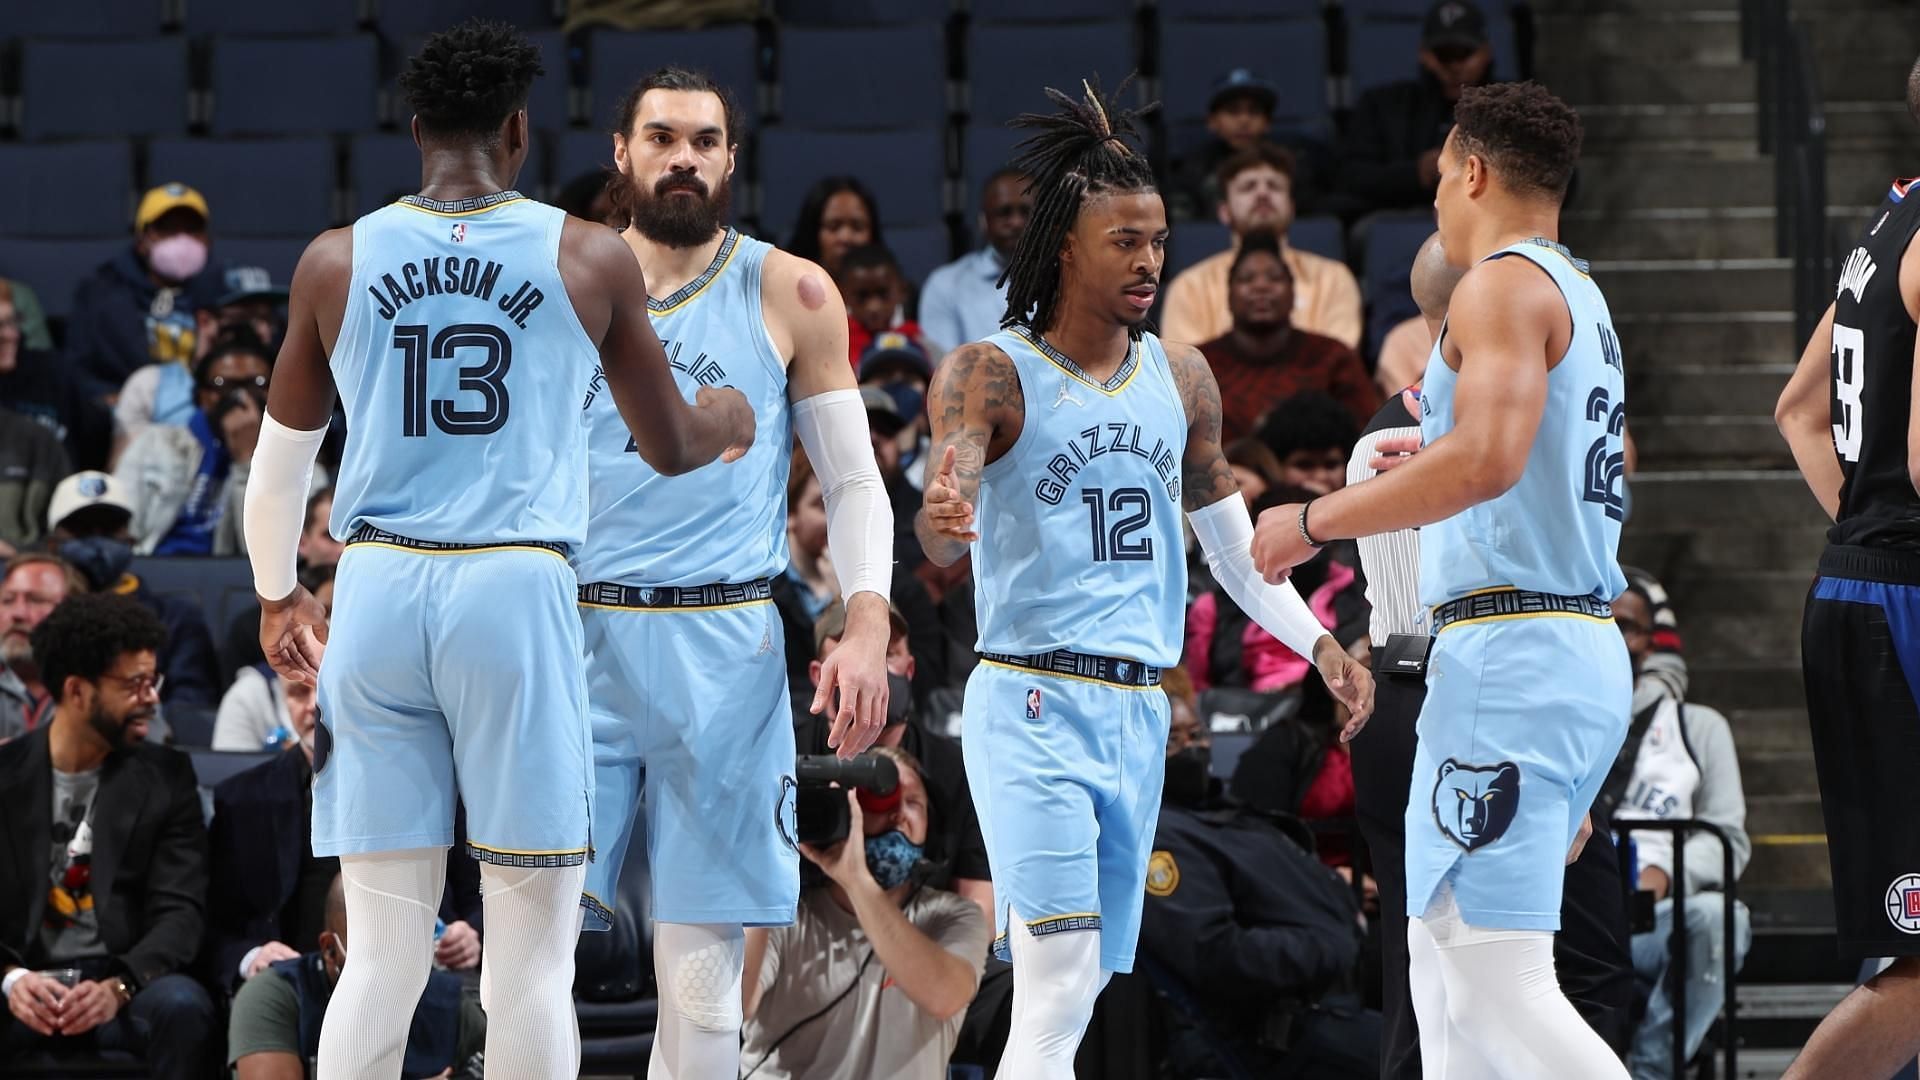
169	196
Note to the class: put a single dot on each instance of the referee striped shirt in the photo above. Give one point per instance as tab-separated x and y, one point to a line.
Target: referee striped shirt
1391	561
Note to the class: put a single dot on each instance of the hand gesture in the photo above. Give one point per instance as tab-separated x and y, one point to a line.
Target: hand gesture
86	1007
846	861
855	676
1278	546
1350	682
293	635
732	404
949	514
35	1002
1388	453
458	948
271	953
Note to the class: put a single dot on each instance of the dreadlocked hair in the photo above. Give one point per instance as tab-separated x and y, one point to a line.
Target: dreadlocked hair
1080	151
468	80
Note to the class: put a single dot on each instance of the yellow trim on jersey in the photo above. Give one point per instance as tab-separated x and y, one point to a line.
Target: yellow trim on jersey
519	851
1032	923
1135	354
459	213
463	551
1527	615
1065	675
713	275
669	610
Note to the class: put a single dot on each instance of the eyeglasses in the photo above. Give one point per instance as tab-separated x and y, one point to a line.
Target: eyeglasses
139	685
221	382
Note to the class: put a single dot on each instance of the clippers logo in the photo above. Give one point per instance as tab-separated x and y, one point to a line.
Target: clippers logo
1033	703
459	232
1903	903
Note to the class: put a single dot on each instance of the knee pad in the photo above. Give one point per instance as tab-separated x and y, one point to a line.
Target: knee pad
699	969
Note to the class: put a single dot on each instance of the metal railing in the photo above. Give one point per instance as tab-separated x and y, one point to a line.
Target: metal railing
1677	939
1793	128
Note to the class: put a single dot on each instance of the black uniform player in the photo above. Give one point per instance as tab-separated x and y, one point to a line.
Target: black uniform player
1848	413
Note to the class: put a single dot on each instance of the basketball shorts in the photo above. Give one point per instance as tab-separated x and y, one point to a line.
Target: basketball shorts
1523	718
693	750
1860	651
1066	775
449	672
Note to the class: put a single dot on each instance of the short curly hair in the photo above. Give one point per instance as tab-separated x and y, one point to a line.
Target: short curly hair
87	634
468	80
1529	137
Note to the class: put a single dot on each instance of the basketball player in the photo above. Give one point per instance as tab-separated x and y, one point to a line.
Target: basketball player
686	664
1528	683
1849	416
461	323
1073	438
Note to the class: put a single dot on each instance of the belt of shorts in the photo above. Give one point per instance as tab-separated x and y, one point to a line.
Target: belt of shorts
659	597
1106	669
367	534
1515	604
1888	566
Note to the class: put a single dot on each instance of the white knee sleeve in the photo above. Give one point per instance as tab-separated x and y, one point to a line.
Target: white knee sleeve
533	923
698	969
392	898
1056	980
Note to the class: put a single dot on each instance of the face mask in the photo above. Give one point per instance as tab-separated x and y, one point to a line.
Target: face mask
178	257
908	398
891	858
1189	776
102	559
899	699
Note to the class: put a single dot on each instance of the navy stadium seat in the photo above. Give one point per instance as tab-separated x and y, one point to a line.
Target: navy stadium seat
1005	11
66	189
1243	9
273	86
253	17
55	267
1320	235
549	102
1227	748
1290	53
1007	65
382	166
404	18
986	148
886	77
866	12
1392	242
1192	241
103	88
222	586
98	18
1384	44
258	187
729	54
905	170
575	153
278	255
211	767
920	249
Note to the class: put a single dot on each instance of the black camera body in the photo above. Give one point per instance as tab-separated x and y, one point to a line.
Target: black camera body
820	808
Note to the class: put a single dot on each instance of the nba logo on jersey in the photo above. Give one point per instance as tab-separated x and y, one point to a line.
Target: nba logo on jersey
1903	903
1033	703
459	232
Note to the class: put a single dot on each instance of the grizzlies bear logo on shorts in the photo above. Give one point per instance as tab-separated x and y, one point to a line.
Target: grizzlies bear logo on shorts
1474	804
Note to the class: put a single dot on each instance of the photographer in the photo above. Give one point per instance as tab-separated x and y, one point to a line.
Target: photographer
874	975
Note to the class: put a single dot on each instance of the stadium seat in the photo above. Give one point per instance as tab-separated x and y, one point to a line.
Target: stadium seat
100	18
1392	242
1008	64
1243	9
317	85
905	170
1006	11
1192	241
920	249
66	189
110	89
1290	53
1320	235
575	153
863	12
405	18
549	103
55	267
729	54
278	255
307	17
1227	748
1384	43
221	586
382	166
259	187
877	78
211	767
190	725
986	147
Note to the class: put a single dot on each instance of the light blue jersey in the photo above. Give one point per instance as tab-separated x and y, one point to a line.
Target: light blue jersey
724	522
460	361
1557	531
1080	545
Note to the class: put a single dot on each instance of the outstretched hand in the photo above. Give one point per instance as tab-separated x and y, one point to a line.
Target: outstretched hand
949	514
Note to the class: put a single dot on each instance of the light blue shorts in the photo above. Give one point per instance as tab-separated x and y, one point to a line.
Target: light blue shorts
453	673
691	728
1522	722
1066	776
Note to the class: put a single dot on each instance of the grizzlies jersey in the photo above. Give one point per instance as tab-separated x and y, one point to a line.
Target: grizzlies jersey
459	363
1558	530
723	522
1080	542
1872	382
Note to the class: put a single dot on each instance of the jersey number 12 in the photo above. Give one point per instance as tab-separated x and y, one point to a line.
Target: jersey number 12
1117	543
487	378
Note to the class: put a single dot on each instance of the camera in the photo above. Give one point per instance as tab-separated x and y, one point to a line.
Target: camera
820	809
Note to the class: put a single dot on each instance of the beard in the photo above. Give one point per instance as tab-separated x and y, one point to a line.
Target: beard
16	651
117	733
676	221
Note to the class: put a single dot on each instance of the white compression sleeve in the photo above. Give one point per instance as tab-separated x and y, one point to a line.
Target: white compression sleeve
1056	981
1225	532
698	968
533	924
392	897
833	429
276	508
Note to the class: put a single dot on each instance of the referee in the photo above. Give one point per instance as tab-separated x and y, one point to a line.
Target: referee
1591	950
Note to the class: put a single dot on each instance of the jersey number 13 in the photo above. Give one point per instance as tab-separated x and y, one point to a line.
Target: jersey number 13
487	377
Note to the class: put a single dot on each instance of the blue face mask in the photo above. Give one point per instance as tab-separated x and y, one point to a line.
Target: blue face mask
908	398
101	559
891	858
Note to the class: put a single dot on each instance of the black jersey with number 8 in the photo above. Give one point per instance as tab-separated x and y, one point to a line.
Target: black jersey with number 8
1871	382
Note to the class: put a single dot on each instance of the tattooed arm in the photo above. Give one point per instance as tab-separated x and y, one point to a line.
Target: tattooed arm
976	409
1205	476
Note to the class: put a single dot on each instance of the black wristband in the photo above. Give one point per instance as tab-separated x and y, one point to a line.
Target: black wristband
1304	534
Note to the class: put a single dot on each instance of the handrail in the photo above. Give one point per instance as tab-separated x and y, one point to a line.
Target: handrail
1677	937
1792	128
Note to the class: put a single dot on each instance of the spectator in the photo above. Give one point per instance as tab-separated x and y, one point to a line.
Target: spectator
586	197
32	315
964	301
1678	761
1309	435
250	309
1239	115
1257	191
44	388
1408	346
802	594
888	430
88	786
92	519
839	214
875	291
32	462
1392	150
32	586
1258	936
138	307
953	827
260	710
874	976
1263	360
317	546
900	367
275	1027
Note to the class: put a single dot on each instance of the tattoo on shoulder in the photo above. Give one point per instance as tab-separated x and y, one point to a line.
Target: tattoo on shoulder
1205	476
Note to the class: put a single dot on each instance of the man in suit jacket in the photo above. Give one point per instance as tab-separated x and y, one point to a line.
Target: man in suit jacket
103	857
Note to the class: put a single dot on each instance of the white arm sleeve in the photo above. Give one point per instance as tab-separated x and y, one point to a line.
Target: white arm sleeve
276	507
833	429
1225	532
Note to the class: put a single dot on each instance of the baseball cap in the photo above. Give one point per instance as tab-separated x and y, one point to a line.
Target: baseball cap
833	623
242	283
1454	22
1243	82
84	490
169	196
883	415
894	347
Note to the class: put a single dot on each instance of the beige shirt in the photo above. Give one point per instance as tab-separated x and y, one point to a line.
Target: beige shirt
1403	356
1326	299
875	1030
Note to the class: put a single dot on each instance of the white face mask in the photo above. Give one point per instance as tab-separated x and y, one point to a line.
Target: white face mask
178	257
